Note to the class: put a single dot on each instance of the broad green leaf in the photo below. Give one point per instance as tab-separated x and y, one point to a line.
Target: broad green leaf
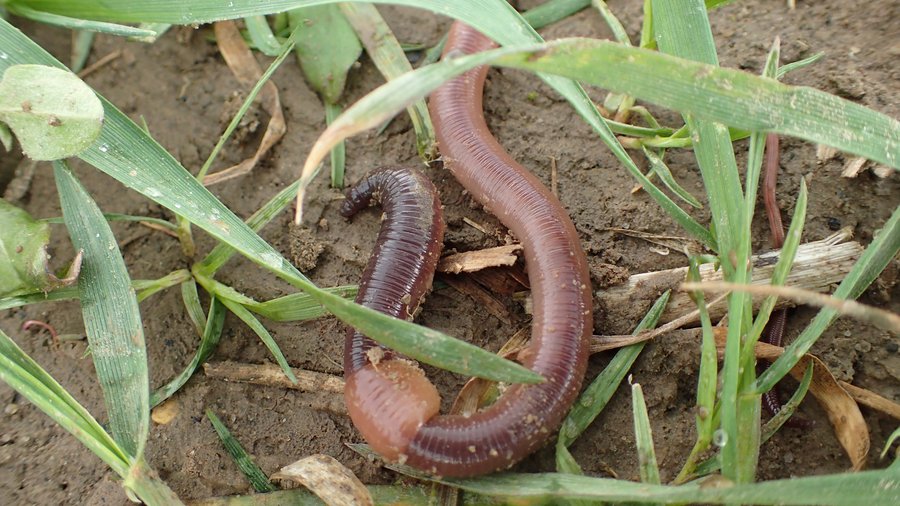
112	320
53	113
326	46
23	252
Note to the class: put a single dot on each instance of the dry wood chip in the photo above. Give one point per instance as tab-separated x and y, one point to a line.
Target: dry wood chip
328	388
853	167
245	68
471	261
825	153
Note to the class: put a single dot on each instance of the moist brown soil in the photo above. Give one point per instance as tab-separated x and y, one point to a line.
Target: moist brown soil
181	87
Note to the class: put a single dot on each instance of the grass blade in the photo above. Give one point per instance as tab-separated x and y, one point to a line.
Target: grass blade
732	97
212	332
244	461
261	35
298	306
649	469
339	153
112	320
19	371
75	23
880	488
257	327
598	393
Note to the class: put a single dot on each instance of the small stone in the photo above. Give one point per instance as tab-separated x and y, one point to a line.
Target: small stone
11	408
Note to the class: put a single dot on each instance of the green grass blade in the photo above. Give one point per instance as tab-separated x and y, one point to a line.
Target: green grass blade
728	96
192	306
887	445
284	52
643	436
125	152
789	407
880	488
799	64
71	292
870	264
552	11
222	252
212	332
388	56
615	26
598	393
23	374
244	461
665	175
261	35
298	306
81	49
783	267
74	23
146	288
682	29
339	152
112	320
257	327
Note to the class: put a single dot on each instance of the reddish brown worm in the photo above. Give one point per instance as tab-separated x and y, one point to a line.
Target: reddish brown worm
391	402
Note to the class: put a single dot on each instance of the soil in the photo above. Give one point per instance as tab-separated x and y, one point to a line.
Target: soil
181	87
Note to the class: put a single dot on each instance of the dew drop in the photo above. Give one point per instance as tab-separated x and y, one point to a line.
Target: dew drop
3	55
104	148
720	438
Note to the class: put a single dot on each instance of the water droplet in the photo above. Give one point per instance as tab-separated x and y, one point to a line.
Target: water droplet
720	438
104	148
272	259
152	192
3	55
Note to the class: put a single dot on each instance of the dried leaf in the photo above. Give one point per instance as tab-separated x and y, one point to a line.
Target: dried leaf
843	412
327	478
247	71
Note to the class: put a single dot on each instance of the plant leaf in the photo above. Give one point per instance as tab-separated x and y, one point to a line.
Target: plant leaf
326	46
53	113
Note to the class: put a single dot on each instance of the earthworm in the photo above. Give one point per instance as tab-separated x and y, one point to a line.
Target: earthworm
774	331
514	426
